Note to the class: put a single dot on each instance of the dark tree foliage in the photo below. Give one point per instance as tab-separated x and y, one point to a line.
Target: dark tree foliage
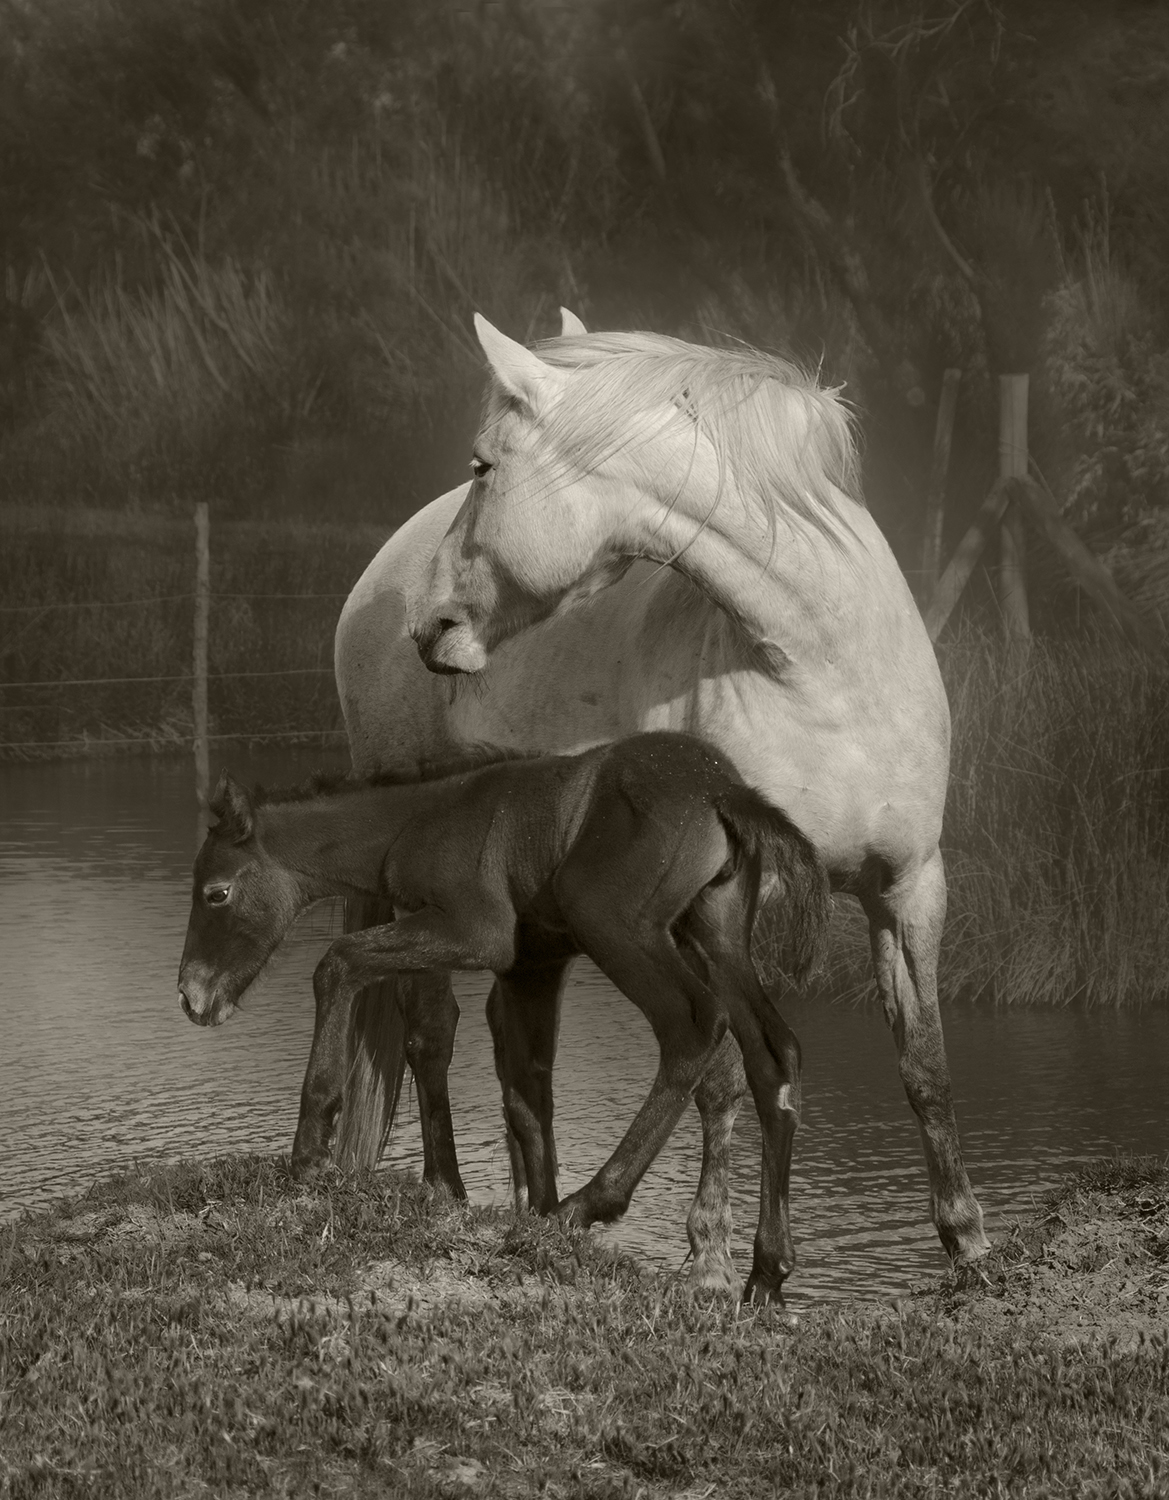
886	187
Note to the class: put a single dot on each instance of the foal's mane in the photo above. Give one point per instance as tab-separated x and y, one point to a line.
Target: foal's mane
408	773
786	440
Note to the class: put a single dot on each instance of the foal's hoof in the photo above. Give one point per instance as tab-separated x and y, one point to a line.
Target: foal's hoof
572	1213
760	1292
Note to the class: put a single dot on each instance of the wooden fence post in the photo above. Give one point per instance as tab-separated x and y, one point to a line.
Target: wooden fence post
199	675
935	505
1012	536
966	554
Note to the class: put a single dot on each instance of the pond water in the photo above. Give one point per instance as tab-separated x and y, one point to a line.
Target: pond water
99	1067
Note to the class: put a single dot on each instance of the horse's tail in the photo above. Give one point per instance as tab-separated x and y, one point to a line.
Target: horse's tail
763	838
377	1057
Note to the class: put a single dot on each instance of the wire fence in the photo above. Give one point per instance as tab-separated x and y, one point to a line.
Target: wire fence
86	667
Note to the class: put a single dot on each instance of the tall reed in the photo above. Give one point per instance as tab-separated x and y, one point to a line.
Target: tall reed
157	373
1057	824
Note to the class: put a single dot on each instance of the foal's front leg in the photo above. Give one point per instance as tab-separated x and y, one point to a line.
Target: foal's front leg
523	1012
427	939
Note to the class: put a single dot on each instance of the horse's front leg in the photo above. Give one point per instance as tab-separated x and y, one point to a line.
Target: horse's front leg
906	927
718	1095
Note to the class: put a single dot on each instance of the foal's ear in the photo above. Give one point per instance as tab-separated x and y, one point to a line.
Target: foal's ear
521	373
233	807
571	326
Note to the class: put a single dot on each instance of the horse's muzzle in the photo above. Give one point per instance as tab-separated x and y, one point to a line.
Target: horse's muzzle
448	646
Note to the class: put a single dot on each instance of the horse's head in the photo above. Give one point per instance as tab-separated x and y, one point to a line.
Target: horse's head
534	533
242	904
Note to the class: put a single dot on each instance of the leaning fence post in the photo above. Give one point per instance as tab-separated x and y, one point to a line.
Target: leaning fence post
935	505
1012	536
199	674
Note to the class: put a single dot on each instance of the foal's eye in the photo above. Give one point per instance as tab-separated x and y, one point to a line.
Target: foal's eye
480	466
216	895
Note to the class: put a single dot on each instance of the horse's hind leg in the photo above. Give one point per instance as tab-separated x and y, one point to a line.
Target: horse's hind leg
718	1095
906	926
524	1014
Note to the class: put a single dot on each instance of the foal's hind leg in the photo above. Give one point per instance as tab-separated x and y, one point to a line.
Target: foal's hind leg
772	1057
906	925
718	1095
688	1022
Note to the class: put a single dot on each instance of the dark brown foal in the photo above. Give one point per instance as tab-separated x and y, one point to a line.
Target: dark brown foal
647	855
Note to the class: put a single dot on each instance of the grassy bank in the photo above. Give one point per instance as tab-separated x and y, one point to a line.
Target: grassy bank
214	1329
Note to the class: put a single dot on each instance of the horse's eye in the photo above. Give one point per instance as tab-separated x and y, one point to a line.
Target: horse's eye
480	466
217	895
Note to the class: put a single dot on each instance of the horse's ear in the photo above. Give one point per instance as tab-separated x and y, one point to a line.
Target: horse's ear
520	372
233	807
571	326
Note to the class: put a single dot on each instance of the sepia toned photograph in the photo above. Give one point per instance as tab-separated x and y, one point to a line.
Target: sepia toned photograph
584	749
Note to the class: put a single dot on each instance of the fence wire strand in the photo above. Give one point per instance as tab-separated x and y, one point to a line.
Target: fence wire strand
162	740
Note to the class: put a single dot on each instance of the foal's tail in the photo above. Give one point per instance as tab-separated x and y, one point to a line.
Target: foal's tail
767	841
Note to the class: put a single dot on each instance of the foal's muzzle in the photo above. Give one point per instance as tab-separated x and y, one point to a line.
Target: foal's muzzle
203	1007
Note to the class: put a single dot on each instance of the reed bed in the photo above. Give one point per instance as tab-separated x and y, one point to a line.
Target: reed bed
1056	835
1057	825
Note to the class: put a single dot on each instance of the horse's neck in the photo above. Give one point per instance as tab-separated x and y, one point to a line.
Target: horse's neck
793	594
337	843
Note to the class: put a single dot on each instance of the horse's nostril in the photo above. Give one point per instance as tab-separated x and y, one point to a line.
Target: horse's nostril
444	625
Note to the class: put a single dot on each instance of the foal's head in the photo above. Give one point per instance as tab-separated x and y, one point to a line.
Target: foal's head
242	904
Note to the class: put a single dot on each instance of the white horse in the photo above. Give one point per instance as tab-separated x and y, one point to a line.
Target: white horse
661	535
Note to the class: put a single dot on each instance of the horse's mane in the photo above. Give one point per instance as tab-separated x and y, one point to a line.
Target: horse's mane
407	773
787	440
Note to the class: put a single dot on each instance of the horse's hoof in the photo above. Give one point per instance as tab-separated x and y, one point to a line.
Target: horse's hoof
714	1275
309	1169
971	1276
